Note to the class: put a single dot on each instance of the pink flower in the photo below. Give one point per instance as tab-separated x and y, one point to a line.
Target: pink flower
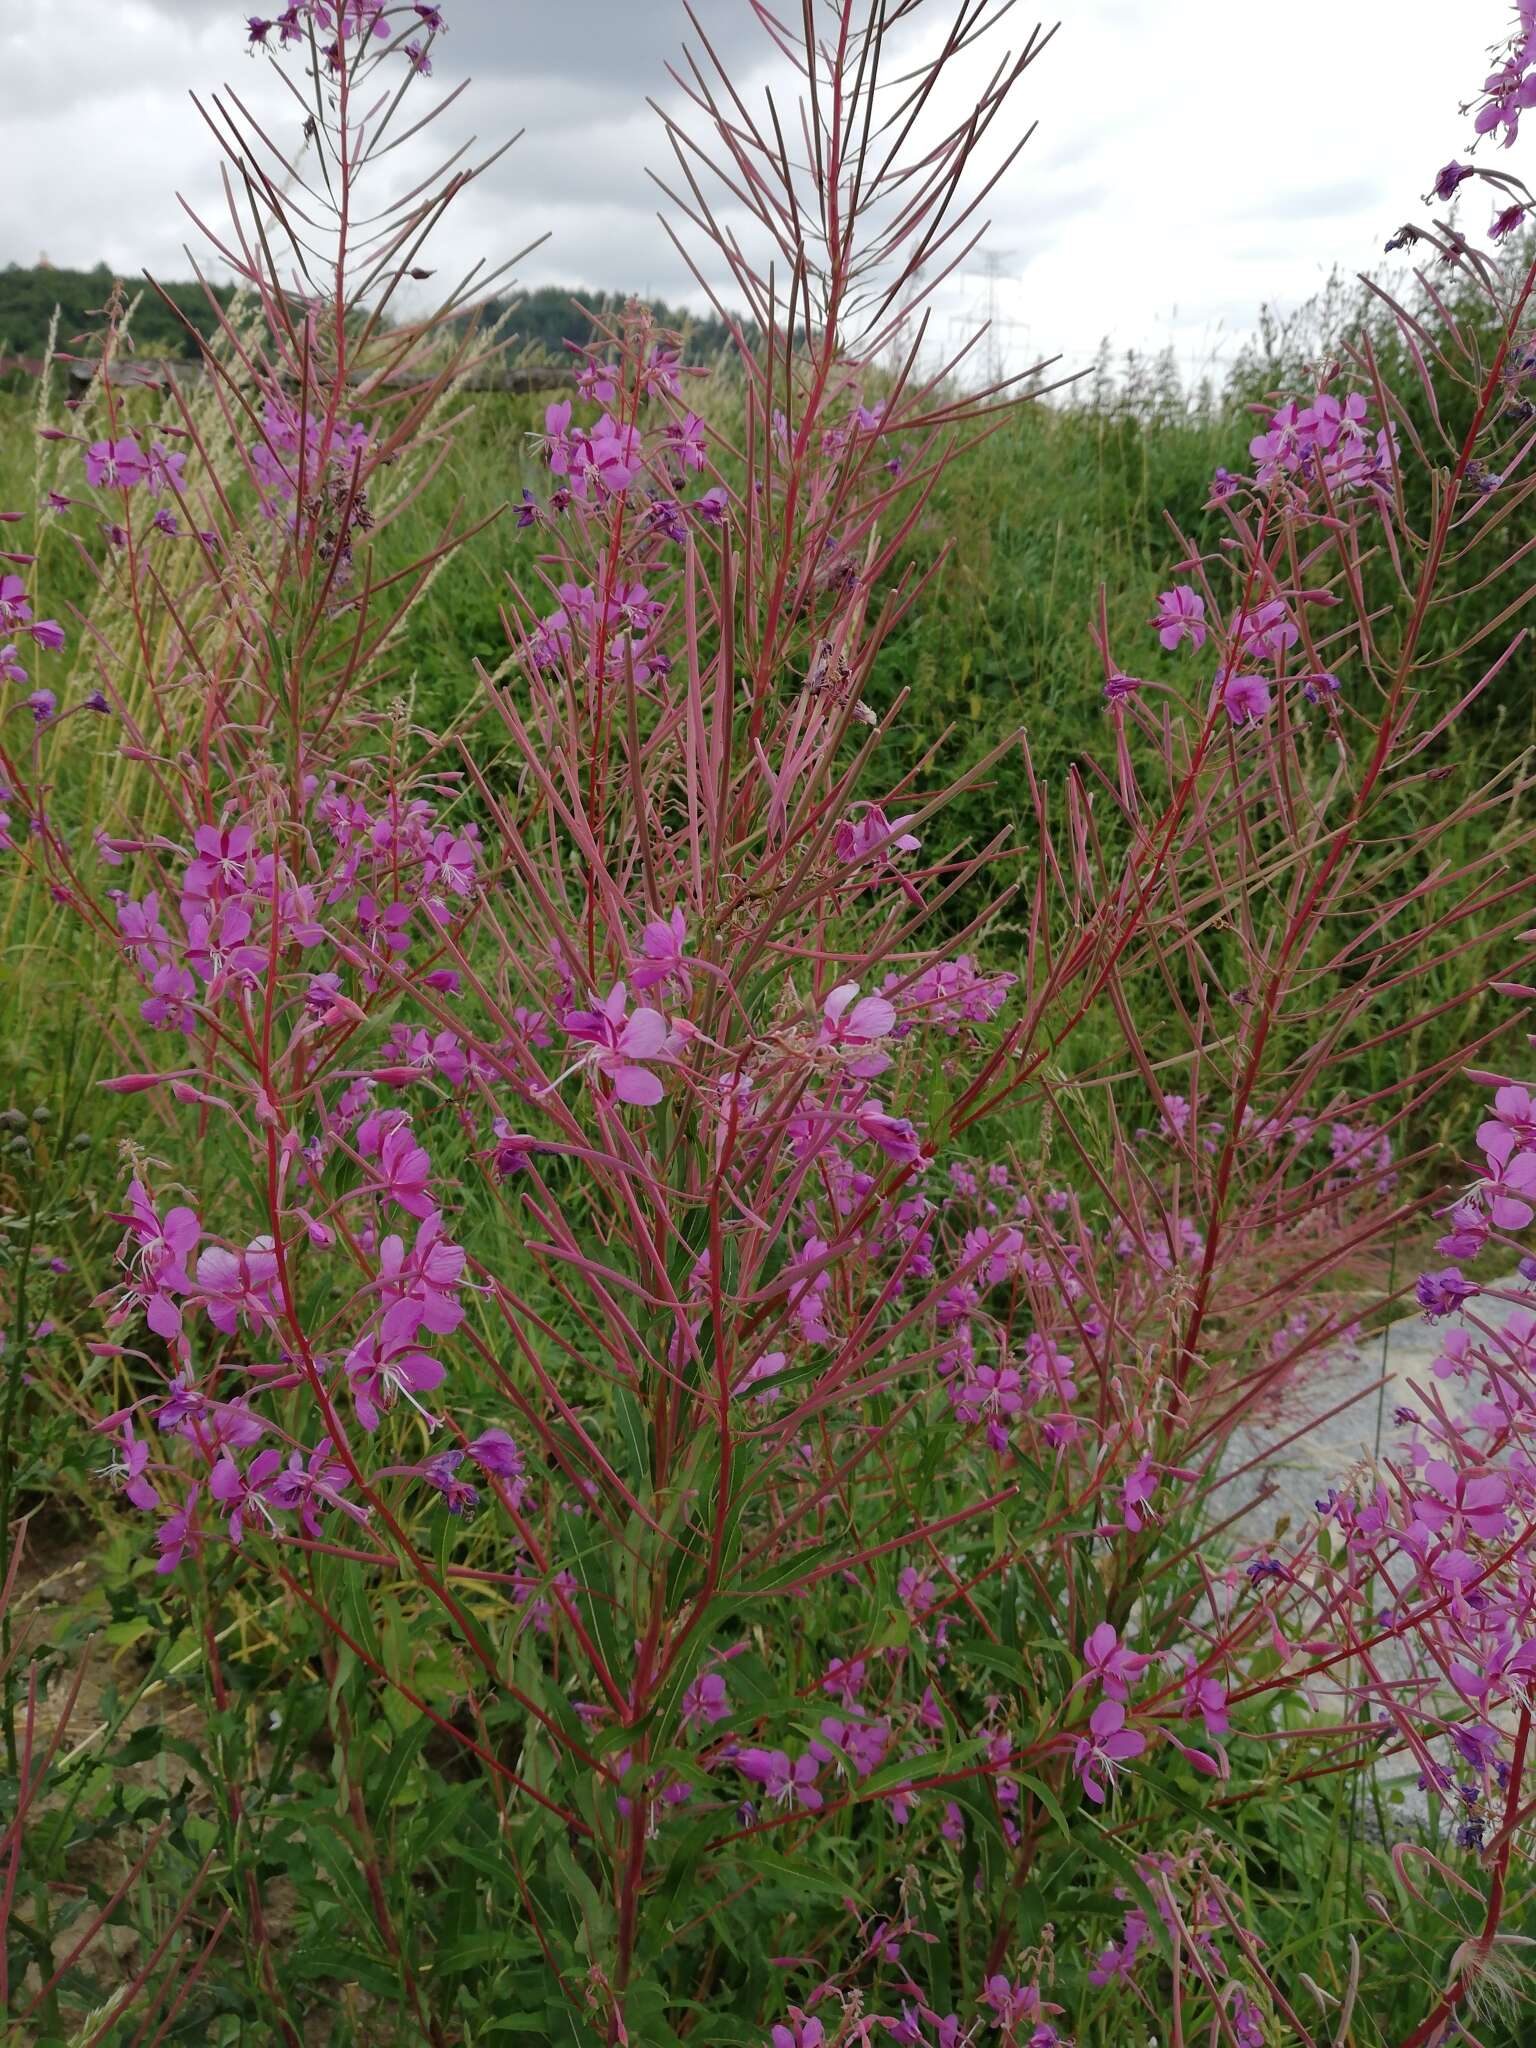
1108	1661
856	838
1119	686
1448	179
403	1171
115	465
1511	1183
219	863
662	944
915	1592
1509	1664
846	1022
179	1535
844	1680
126	1470
1458	1506
15	610
311	1485
1107	1745
1245	698
158	1261
706	1701
767	1367
896	1136
800	2033
786	1783
453	863
386	1362
1012	2004
620	1041
1442	1293
232	1284
807	1297
1137	1489
1265	633
428	1276
242	1493
1467	1235
685	439
497	1454
1181	615
164	468
1514	1113
1208	1699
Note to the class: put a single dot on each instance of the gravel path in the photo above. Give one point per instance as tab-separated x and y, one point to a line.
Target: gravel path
1382	1375
1399	1357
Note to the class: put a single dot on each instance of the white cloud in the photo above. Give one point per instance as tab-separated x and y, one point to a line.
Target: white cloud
1195	158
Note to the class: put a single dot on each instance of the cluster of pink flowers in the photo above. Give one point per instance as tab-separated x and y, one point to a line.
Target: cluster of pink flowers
343	21
1258	642
18	624
1327	442
372	885
1510	90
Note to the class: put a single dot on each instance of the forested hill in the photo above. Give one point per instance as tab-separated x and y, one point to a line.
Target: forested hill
542	319
28	296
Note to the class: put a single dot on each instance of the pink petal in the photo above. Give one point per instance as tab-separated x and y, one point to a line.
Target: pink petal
644	1035
872	1017
639	1086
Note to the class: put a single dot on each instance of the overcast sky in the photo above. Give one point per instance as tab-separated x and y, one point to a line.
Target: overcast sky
1194	158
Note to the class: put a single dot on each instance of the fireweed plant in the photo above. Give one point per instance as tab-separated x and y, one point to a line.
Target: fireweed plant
720	1318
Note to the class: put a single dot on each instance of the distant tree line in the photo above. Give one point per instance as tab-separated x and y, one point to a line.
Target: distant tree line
28	296
548	318
541	321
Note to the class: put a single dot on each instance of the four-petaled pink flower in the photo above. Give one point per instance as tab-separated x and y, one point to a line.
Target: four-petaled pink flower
232	1284
1107	1745
706	1701
1180	616
240	1494
1245	698
1111	1663
855	1027
620	1040
116	465
787	1782
403	1172
386	1362
159	1260
1457	1507
428	1276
